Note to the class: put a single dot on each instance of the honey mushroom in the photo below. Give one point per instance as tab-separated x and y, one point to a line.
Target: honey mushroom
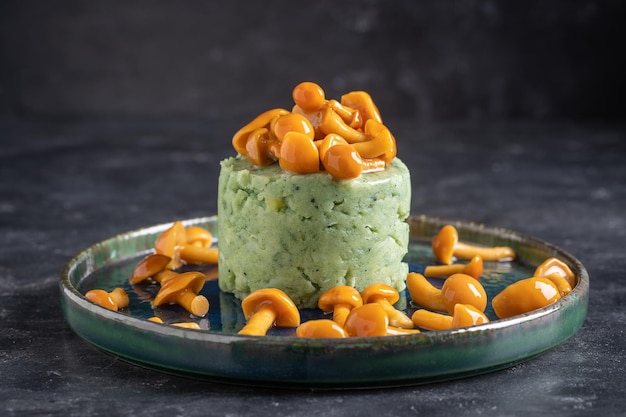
559	273
186	325
113	300
259	147
343	162
385	296
299	154
456	289
340	300
149	267
279	135
371	320
331	122
310	99
446	244
362	101
183	289
291	122
240	138
198	236
382	143
321	328
464	315
525	296
267	307
473	268
173	243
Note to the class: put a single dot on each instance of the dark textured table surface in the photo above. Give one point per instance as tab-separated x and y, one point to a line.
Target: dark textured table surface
114	116
65	186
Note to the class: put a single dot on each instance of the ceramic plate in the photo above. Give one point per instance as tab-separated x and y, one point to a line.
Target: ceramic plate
217	352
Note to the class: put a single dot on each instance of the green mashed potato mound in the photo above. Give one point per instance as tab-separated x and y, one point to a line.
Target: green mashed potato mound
305	234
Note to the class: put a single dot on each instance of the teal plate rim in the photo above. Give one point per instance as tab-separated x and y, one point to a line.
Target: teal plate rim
291	362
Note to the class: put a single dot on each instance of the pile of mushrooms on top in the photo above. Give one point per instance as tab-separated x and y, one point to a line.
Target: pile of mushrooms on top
460	301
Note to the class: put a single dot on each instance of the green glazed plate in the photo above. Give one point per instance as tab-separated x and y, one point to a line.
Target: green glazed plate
217	352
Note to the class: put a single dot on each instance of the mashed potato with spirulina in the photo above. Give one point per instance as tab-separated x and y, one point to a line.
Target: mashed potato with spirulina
305	234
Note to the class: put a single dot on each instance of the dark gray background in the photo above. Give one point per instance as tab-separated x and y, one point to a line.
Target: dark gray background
206	60
114	116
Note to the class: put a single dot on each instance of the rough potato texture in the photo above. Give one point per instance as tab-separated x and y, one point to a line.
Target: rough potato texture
307	233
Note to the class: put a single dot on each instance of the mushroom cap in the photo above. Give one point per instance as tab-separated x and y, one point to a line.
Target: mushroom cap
119	297
287	314
463	289
149	266
444	242
378	291
102	298
189	281
467	315
341	294
197	235
555	266
167	243
322	328
367	320
524	296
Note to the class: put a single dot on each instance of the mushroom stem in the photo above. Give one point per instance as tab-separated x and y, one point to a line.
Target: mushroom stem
164	276
340	312
431	320
463	315
396	317
197	305
424	293
496	253
473	268
260	321
197	254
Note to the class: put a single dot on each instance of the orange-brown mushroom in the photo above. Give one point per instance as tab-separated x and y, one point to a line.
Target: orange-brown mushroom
262	120
524	296
267	307
168	244
321	328
149	267
385	295
113	300
380	143
331	122
446	244
340	300
363	102
473	268
173	243
464	315
183	289
372	320
559	273
457	289
186	324
198	236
